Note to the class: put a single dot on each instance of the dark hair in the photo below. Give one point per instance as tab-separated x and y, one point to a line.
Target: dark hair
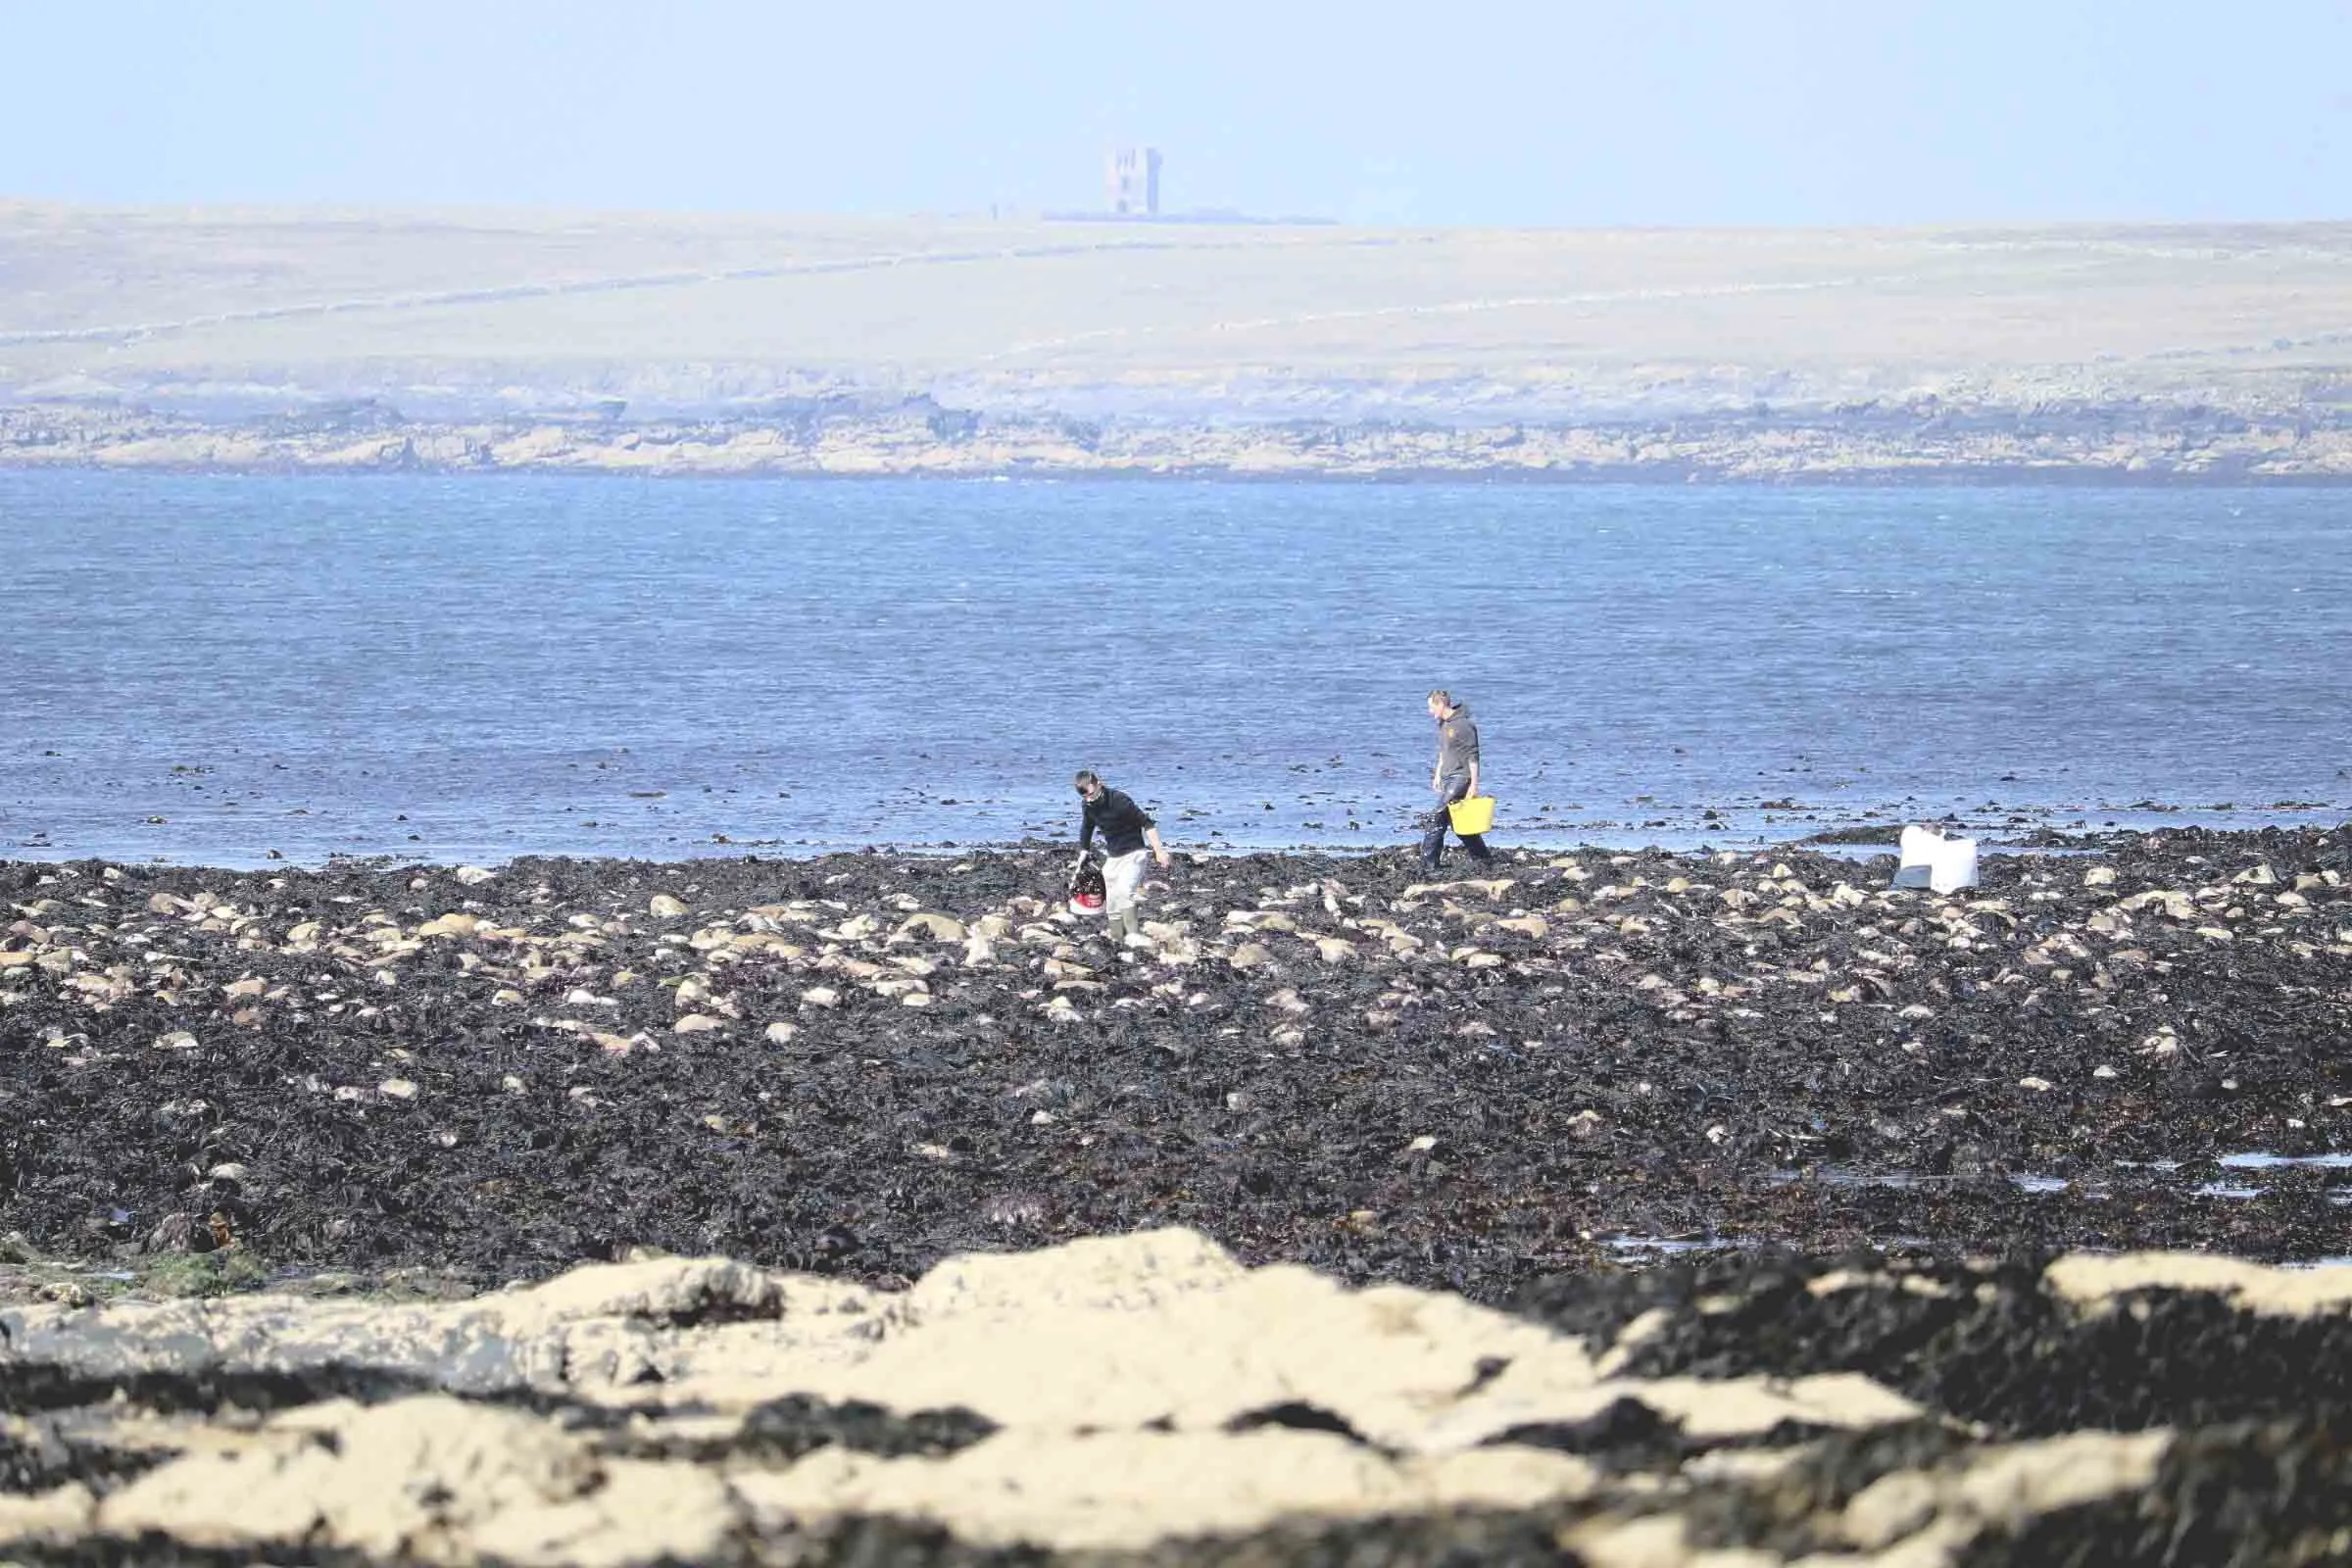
1086	776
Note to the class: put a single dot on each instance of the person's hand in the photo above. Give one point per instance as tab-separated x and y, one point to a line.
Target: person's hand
1163	860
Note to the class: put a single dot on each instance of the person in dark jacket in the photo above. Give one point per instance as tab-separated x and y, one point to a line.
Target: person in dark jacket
1454	776
1127	832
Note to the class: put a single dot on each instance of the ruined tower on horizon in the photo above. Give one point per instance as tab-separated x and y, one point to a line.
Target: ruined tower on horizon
1131	181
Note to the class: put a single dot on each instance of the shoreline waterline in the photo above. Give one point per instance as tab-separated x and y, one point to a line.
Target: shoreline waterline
2041	839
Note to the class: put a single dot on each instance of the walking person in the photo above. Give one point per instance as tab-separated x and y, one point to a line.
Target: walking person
1453	777
1127	831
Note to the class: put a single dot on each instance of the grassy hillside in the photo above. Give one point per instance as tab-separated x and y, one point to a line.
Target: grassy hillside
524	309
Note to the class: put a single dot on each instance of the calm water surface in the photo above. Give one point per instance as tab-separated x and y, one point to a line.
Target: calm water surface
479	668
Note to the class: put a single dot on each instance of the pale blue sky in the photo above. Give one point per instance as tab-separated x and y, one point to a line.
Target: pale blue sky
1642	111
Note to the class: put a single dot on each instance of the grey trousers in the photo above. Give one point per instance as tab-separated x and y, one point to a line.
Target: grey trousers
1122	887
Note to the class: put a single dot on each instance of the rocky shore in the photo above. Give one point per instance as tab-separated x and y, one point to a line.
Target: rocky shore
1597	1208
1903	441
862	1064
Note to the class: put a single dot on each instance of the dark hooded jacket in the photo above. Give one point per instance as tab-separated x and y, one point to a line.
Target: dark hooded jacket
1121	820
1457	747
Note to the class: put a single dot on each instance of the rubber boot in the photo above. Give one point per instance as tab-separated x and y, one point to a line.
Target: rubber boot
1433	849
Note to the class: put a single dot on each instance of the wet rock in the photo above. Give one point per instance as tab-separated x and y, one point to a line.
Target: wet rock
932	926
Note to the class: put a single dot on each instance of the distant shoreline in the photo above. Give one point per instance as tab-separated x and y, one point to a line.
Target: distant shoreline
2077	447
1977	478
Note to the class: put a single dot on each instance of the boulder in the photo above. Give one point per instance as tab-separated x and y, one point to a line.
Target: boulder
928	923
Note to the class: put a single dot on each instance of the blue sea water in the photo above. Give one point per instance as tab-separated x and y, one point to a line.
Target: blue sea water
206	668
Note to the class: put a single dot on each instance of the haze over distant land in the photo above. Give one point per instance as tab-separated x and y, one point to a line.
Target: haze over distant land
468	339
2081	239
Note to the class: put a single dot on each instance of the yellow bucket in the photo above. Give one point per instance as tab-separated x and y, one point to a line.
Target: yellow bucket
1472	814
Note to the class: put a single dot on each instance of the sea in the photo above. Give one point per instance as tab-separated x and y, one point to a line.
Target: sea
242	670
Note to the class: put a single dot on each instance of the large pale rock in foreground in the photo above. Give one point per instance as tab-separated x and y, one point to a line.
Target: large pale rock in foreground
1108	1394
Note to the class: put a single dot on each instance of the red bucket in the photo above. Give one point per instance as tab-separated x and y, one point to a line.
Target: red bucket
1086	888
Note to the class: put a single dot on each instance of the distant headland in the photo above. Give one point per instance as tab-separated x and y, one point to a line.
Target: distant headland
257	339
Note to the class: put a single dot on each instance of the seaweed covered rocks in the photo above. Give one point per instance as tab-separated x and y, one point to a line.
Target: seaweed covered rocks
861	1064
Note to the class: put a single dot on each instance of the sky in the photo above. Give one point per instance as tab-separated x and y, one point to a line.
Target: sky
1542	113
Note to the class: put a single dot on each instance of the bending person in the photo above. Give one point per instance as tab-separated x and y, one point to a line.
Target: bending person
1453	777
1126	830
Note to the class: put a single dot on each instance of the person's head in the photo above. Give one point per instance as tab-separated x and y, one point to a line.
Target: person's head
1089	785
1441	703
